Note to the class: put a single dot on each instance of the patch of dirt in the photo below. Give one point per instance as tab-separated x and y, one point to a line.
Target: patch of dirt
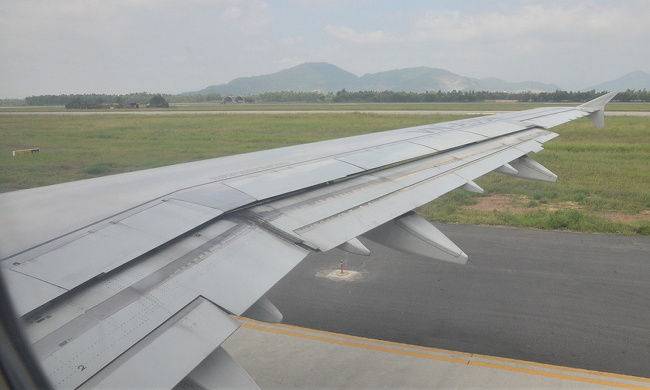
520	204
498	202
347	275
619	217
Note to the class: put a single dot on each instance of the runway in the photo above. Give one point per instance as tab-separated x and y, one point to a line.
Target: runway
288	112
561	298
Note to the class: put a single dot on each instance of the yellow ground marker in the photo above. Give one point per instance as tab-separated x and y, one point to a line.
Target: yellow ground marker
566	373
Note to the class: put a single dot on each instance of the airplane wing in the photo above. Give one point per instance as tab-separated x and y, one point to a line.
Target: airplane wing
131	280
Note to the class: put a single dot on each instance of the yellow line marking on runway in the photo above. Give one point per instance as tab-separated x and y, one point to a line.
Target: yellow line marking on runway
360	342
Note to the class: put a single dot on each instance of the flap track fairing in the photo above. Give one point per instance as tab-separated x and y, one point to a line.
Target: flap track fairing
354	246
265	311
413	234
507	169
218	371
470	186
527	168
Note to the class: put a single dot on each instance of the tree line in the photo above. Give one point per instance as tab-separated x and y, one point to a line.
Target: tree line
342	96
118	101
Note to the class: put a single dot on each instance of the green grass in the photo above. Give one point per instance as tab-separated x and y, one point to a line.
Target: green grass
78	147
574	220
605	169
600	170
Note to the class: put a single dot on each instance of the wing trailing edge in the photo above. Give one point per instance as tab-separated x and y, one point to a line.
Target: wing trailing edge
194	333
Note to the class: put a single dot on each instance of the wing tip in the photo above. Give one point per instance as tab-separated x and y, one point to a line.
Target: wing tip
598	103
596	108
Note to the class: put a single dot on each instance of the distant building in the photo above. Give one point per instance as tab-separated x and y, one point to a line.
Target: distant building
135	105
233	99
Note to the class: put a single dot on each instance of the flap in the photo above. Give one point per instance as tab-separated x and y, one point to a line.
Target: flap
70	264
191	336
330	216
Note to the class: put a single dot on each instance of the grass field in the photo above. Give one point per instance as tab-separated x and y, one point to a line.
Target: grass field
604	183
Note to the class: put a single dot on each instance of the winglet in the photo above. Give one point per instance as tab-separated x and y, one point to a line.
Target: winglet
596	108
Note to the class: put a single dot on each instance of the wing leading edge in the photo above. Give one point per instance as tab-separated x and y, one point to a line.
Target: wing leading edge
163	257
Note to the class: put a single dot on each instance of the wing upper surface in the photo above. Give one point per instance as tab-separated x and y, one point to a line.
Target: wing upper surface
105	198
154	254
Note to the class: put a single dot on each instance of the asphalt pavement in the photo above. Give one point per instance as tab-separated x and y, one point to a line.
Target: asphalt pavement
561	298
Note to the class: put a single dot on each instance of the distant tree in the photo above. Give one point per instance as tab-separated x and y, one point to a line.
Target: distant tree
75	103
158	101
79	103
12	102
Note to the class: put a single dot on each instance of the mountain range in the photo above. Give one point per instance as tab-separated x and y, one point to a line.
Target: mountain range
634	80
325	77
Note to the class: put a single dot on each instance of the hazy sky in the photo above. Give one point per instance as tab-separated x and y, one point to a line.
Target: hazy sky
173	46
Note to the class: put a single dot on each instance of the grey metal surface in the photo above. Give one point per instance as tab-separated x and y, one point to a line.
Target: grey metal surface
108	295
217	371
328	217
386	155
28	292
263	310
530	169
496	129
330	232
234	268
354	246
192	334
109	247
216	195
307	208
244	269
292	178
551	121
413	234
447	140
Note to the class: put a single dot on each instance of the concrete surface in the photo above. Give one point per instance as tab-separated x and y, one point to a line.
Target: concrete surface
285	357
